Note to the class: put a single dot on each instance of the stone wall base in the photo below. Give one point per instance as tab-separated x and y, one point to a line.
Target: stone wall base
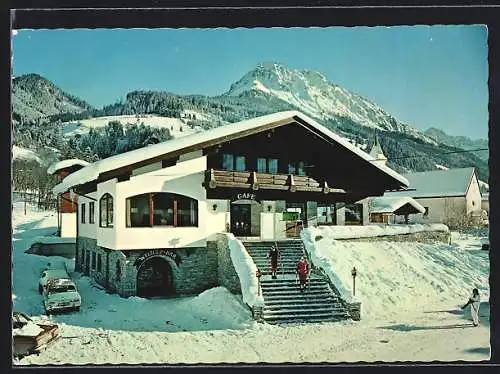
422	237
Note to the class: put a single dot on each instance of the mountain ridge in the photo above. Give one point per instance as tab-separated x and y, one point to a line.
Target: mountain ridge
278	88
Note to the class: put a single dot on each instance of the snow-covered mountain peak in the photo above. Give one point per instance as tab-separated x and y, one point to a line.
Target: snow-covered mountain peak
312	93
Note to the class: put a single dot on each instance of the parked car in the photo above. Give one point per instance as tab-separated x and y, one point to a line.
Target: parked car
51	274
61	294
29	337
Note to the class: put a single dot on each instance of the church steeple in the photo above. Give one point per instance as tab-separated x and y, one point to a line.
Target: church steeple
377	153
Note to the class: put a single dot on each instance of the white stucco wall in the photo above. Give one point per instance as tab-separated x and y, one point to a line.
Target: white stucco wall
216	219
474	197
440	208
267	226
68	225
106	235
184	178
88	229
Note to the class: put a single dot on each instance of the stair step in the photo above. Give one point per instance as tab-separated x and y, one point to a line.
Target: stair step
302	306
300	302
301	314
309	289
313	293
286	321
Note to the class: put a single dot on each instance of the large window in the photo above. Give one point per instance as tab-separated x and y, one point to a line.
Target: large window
227	161
354	214
267	165
261	165
91	212
297	168
106	211
161	209
240	163
327	214
272	166
82	214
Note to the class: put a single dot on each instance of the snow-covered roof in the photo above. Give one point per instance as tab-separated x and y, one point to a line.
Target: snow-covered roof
391	204
437	183
92	171
65	164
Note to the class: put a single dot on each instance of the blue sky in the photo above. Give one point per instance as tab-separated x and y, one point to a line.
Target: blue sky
428	76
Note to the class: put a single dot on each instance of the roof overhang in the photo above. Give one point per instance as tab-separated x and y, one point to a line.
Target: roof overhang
114	166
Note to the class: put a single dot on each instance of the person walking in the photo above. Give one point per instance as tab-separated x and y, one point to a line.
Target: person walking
273	255
474	306
302	271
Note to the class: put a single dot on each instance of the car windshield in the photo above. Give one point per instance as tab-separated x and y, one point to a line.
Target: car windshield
59	289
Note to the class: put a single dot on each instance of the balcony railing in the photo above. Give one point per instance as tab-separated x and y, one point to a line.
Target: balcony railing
255	181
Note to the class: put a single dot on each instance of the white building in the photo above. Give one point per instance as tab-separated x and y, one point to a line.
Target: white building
148	219
448	196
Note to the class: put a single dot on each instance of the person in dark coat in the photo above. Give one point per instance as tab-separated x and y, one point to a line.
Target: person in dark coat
302	270
273	255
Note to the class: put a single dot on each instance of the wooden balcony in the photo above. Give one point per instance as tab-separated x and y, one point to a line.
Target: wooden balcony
263	181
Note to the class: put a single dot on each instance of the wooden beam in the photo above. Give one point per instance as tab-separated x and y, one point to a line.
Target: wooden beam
326	189
211	180
255	183
291	183
151	210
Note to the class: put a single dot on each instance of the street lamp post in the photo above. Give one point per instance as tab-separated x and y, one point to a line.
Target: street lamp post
354	273
258	274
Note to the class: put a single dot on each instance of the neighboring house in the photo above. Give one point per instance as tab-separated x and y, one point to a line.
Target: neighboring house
158	209
66	202
387	209
485	203
449	196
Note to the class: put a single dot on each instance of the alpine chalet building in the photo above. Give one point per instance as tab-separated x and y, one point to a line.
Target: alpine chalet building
158	209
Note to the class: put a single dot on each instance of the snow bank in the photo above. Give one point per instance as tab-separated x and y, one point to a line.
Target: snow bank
400	278
246	270
30	329
323	260
220	302
372	230
54	240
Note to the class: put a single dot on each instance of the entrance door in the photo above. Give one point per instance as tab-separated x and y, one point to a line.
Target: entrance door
154	278
241	219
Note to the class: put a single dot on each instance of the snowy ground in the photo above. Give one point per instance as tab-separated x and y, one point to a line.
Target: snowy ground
215	327
176	126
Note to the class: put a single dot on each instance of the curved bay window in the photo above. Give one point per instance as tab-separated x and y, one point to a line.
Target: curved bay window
161	209
106	210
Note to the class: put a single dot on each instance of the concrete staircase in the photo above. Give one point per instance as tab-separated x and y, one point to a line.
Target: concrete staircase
284	302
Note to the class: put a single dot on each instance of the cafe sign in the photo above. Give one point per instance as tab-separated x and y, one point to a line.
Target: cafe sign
244	196
158	252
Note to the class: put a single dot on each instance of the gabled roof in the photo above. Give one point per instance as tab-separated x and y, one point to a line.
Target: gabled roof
437	183
387	204
220	134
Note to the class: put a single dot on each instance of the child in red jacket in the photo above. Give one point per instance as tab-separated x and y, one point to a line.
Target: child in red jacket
302	271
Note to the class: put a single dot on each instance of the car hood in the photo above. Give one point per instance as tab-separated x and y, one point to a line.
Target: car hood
63	296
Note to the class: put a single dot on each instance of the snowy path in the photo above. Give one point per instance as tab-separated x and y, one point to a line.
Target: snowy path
214	327
423	338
